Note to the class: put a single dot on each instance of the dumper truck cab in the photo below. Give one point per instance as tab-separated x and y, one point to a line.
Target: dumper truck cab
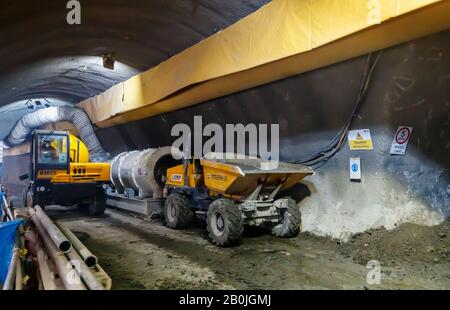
60	173
233	193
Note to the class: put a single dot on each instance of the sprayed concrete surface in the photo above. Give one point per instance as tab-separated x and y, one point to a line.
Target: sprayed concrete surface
143	254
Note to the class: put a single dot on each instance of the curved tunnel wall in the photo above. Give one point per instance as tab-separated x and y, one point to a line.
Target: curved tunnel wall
410	86
45	57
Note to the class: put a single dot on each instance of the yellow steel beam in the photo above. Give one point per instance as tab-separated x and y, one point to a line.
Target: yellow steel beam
282	39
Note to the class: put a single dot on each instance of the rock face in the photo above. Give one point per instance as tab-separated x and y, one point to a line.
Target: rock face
409	87
394	190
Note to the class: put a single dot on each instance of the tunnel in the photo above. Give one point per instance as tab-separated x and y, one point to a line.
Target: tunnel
178	62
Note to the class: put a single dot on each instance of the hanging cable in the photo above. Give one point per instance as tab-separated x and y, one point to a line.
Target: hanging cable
319	159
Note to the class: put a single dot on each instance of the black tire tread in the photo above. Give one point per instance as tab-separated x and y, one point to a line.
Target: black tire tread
292	220
185	215
234	221
98	206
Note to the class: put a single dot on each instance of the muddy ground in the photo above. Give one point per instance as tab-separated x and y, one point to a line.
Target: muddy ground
143	254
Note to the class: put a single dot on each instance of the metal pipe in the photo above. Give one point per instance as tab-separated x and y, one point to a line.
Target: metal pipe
7	209
86	274
70	279
57	236
48	282
9	282
89	258
103	277
19	276
19	271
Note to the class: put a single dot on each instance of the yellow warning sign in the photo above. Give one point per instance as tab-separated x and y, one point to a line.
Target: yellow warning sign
360	139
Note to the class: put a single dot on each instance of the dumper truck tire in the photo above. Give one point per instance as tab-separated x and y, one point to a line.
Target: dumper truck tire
178	211
98	205
291	221
225	223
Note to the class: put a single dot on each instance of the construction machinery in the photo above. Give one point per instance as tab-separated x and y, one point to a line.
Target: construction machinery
61	173
137	180
233	193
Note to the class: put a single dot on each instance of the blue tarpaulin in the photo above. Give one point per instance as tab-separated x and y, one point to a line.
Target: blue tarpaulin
7	241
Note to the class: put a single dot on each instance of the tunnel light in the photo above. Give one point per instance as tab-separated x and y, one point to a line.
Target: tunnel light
108	62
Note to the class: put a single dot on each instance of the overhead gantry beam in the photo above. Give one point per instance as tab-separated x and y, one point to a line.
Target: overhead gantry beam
280	40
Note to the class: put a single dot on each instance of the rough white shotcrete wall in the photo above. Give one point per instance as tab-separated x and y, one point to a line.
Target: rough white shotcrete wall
387	196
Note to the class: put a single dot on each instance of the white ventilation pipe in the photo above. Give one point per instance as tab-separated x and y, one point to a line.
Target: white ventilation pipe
77	117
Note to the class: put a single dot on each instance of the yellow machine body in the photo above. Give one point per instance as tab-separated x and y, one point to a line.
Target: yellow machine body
231	193
81	169
234	179
61	173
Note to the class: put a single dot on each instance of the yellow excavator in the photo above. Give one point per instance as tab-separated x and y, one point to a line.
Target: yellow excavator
61	173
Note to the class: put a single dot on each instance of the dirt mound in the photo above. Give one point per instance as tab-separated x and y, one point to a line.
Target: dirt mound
407	243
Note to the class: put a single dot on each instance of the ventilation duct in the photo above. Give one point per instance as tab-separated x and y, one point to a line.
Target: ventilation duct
142	171
77	117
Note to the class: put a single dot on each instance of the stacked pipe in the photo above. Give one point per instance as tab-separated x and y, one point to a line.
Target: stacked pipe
14	278
6	208
59	251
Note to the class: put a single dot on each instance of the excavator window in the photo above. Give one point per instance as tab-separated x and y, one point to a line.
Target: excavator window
52	149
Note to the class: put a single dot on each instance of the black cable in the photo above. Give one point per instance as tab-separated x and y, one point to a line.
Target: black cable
319	159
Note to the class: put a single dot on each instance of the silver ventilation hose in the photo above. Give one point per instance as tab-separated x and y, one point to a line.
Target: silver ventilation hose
77	117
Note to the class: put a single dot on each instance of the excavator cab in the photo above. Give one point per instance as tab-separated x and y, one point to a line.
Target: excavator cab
51	154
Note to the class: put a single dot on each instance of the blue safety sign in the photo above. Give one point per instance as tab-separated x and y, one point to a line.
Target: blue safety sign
355	168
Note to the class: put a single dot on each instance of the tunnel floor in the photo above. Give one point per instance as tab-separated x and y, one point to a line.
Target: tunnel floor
144	254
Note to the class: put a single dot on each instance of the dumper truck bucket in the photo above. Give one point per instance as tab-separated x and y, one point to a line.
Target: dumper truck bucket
239	177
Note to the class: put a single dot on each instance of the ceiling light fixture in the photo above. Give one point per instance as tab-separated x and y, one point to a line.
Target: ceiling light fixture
108	62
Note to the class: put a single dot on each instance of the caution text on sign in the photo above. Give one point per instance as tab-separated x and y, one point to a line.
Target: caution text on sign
401	139
360	139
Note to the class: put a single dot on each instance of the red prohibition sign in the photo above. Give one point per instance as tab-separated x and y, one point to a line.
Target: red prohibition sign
402	135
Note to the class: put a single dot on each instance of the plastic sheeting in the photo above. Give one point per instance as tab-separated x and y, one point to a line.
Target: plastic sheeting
78	117
7	241
282	39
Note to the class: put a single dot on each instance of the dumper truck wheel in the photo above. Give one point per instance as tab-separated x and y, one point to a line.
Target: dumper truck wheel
225	223
178	211
291	221
98	205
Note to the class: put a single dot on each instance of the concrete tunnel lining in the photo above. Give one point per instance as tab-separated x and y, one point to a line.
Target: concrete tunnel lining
46	56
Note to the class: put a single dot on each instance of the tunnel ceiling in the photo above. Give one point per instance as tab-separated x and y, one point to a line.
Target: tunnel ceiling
44	57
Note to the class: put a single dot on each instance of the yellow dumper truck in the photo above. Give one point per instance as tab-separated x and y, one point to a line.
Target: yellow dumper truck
232	193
